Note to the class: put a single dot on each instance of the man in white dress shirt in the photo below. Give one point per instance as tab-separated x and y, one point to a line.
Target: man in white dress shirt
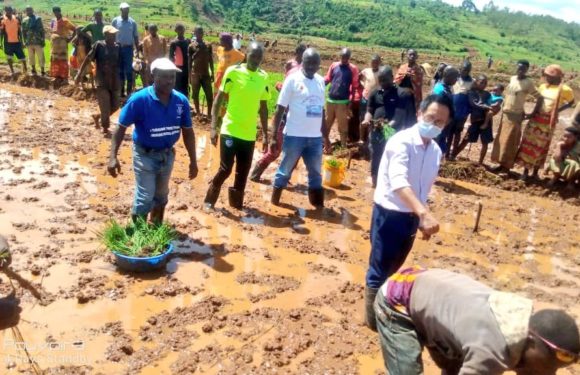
408	169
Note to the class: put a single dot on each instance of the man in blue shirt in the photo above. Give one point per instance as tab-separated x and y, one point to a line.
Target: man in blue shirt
128	38
160	114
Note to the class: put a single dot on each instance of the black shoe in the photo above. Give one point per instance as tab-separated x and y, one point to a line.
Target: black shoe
211	197
370	316
257	173
276	194
316	197
236	198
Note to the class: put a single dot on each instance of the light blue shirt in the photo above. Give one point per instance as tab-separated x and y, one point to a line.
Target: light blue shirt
127	31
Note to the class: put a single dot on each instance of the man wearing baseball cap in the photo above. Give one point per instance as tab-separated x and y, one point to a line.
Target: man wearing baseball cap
107	57
160	115
128	38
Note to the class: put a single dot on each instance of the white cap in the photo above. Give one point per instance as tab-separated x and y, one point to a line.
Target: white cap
124	6
163	63
108	29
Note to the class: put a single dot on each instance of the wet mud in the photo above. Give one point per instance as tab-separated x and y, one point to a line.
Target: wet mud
263	290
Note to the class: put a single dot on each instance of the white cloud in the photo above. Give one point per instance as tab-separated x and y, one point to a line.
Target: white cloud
568	10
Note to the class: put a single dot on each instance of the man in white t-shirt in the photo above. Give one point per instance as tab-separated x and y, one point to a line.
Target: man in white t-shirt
303	94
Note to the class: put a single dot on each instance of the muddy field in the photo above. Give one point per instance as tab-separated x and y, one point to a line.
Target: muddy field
266	290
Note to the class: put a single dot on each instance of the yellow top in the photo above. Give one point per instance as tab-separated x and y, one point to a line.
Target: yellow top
550	93
228	58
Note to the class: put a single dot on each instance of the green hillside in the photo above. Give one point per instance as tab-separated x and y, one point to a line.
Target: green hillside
422	24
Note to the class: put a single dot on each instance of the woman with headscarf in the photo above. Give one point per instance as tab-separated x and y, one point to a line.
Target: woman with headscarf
227	56
409	78
62	31
555	97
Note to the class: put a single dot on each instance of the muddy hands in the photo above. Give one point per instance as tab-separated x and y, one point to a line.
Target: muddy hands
114	167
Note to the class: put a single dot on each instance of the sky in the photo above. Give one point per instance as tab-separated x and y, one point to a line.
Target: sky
568	10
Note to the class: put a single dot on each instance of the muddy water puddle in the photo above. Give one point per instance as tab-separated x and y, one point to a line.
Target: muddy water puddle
263	290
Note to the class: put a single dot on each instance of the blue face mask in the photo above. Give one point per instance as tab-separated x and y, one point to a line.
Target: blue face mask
428	130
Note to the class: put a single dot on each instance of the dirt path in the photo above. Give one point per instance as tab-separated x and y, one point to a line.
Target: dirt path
263	290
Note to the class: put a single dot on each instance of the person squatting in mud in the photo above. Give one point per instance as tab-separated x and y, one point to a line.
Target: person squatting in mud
248	91
160	115
107	57
408	169
565	163
468	328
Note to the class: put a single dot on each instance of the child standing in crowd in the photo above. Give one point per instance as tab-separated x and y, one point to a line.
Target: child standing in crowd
479	103
445	88
495	102
565	163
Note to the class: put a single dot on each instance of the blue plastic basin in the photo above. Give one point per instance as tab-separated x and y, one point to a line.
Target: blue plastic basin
134	264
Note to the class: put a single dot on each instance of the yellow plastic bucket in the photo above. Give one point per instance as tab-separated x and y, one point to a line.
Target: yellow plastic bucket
333	175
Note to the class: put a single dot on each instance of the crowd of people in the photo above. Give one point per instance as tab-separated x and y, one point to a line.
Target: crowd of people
408	129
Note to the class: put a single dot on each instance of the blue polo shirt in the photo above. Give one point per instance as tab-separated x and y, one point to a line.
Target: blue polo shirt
156	126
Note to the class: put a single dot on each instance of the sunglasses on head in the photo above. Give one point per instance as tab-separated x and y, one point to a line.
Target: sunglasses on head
563	355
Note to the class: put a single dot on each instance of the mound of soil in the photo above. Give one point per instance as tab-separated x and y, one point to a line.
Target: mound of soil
468	171
477	174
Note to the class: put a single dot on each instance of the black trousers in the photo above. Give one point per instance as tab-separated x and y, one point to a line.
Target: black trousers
182	81
238	151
